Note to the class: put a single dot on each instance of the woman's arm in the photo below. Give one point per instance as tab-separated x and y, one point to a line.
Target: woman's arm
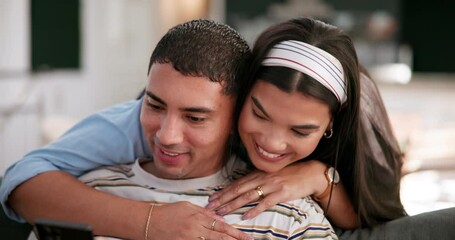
340	211
59	196
292	182
106	138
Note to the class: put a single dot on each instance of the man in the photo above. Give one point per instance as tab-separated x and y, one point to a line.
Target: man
185	123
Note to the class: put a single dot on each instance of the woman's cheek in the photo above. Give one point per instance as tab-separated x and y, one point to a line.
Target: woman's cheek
247	124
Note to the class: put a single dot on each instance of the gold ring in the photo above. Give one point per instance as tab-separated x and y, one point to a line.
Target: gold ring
260	192
202	238
212	226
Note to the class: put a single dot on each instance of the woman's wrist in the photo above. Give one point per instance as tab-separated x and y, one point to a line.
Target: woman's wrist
147	223
332	178
319	180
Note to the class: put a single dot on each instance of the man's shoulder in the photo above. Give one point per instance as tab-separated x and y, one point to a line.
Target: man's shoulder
236	168
296	219
121	110
121	107
108	176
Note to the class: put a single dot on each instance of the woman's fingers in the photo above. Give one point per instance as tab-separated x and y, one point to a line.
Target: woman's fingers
221	230
249	196
215	227
235	190
212	214
268	202
184	220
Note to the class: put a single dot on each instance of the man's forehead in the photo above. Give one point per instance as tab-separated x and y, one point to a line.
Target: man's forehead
187	106
169	67
164	75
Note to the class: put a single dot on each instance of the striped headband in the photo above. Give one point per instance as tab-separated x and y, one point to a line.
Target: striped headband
312	61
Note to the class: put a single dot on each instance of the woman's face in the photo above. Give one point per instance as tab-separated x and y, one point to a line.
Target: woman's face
279	128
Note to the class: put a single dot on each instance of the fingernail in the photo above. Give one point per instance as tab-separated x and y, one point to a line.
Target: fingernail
221	211
211	205
246	216
213	197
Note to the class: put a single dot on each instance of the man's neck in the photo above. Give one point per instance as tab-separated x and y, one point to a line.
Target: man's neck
150	167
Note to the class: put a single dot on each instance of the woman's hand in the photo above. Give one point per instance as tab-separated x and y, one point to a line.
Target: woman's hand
183	220
295	181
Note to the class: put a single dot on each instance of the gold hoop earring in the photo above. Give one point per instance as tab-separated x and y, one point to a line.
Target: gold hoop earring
328	134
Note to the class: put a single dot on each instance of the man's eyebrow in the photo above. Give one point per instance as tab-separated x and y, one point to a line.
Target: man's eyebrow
184	109
303	127
258	105
156	98
197	109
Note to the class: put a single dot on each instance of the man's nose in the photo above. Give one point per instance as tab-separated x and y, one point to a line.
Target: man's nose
171	131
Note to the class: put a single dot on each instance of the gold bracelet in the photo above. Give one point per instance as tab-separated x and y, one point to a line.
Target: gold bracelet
148	222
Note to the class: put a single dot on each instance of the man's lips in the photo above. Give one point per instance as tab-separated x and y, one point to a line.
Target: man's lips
172	154
169	157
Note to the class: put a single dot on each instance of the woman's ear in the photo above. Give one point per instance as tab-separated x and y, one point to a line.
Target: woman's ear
329	131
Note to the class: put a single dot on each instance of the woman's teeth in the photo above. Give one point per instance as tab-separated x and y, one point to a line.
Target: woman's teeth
267	154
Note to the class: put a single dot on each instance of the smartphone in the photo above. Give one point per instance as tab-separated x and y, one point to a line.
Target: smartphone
58	230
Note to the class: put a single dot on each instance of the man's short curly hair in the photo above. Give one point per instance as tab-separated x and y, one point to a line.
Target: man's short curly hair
205	48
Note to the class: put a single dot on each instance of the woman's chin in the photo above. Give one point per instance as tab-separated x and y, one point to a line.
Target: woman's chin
267	166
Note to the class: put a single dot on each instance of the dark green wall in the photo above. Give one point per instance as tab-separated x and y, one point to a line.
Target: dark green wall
428	28
55	34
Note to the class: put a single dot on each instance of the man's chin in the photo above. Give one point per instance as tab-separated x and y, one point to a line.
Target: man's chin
171	173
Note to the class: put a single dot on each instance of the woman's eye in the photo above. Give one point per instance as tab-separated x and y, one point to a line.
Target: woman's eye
257	115
196	119
299	134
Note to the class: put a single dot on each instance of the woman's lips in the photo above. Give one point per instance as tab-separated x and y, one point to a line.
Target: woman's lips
268	156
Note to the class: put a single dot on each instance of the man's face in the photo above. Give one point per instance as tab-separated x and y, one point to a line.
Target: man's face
187	121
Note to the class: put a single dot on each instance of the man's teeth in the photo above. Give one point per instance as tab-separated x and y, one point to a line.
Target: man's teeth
170	154
267	154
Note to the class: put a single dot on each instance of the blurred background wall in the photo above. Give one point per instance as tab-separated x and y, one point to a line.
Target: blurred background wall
62	60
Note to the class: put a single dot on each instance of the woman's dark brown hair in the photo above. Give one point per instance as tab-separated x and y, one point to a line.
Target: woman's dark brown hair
347	150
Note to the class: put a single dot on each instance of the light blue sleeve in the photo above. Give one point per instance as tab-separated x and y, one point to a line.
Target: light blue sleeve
110	137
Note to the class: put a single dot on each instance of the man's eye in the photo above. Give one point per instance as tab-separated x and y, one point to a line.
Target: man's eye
154	106
196	119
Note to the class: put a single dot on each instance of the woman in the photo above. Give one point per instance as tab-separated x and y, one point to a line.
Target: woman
308	60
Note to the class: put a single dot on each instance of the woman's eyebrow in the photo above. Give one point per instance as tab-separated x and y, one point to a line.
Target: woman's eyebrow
258	105
304	126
